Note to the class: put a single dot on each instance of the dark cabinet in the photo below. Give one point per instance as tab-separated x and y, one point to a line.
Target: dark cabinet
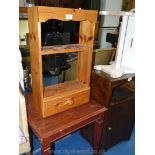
119	122
120	101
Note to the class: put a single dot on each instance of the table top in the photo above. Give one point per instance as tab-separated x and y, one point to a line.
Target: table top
108	77
65	121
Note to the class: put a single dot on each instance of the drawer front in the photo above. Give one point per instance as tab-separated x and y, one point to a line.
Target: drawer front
59	104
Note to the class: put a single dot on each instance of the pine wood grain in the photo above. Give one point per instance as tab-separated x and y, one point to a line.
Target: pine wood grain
86	37
68	95
63	49
46	13
53	105
35	57
63	88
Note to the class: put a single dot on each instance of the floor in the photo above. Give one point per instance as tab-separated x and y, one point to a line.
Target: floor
74	144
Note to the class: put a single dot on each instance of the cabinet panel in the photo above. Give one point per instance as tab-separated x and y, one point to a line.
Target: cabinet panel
119	118
100	89
118	125
119	122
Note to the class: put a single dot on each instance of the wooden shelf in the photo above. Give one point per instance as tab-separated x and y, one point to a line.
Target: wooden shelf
23	9
63	88
63	49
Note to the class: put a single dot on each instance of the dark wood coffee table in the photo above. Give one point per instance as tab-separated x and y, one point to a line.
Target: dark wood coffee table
59	125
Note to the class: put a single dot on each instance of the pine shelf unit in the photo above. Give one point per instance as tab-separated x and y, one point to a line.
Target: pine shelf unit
57	98
64	49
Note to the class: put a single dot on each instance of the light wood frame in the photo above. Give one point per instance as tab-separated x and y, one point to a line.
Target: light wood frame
56	98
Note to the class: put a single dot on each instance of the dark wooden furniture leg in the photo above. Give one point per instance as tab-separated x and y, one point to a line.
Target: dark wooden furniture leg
45	147
52	148
98	125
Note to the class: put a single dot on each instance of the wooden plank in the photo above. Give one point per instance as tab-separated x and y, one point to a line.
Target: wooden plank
86	37
35	56
131	4
63	49
63	88
23	10
46	13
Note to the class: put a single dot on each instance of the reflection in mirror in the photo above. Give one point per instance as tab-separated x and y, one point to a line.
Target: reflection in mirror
59	68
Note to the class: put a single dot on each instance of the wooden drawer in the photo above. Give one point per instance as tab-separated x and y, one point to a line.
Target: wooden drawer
61	103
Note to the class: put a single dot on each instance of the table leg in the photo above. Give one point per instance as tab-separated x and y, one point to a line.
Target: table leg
31	138
45	147
97	133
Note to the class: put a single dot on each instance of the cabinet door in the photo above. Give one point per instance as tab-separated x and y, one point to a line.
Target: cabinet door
119	122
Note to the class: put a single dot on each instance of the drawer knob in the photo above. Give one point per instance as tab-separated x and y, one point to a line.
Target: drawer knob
69	101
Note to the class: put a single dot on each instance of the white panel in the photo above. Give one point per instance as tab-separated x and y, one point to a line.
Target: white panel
112	5
121	41
115	13
128	58
125	54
